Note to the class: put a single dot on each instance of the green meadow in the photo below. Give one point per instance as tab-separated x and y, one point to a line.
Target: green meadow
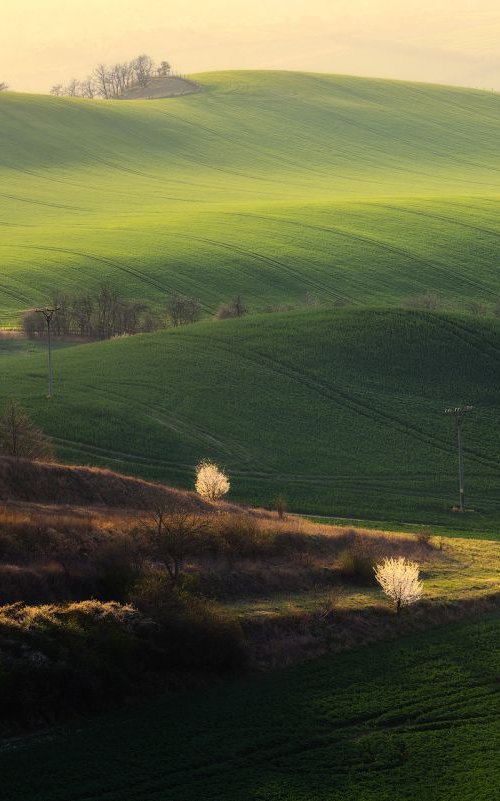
275	185
340	411
343	198
416	718
281	187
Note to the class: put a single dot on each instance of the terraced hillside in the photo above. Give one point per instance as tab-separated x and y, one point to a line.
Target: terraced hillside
271	184
341	411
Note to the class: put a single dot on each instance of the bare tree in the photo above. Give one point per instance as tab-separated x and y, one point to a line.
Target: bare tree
33	324
57	90
182	310
61	324
101	80
143	69
82	312
106	311
122	76
73	88
88	88
130	315
3	86
236	308
19	437
164	69
174	536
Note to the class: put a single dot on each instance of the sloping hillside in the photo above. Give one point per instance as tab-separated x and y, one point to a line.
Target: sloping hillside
271	184
32	482
341	411
379	723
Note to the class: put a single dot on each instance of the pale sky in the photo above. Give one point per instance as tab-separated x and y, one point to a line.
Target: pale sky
43	42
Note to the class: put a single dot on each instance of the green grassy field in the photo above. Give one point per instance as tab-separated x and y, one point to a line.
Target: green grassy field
417	718
341	411
278	186
266	183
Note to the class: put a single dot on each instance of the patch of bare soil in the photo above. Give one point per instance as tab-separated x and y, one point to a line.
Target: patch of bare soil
159	88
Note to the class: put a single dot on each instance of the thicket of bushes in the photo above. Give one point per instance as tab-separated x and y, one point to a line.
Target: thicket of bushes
151	622
82	657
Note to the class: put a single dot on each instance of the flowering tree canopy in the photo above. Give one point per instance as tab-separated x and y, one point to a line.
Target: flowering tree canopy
211	482
400	580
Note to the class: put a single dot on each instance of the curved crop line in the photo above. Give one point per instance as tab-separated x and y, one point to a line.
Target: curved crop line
377	243
297	274
351	402
138	274
43	203
442	217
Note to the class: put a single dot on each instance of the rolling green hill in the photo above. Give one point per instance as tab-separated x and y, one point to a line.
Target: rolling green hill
417	718
267	183
341	411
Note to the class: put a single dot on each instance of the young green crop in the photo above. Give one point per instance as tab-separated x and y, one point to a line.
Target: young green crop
272	185
340	411
417	718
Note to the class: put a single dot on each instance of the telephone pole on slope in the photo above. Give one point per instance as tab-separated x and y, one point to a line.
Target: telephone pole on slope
459	412
48	315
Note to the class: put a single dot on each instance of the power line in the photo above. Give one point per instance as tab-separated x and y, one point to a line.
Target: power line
459	412
49	314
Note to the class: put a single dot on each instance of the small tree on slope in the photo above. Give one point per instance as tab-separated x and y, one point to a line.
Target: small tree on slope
211	482
19	437
400	580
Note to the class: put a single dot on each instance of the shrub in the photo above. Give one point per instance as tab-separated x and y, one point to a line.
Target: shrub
82	657
174	537
424	537
19	437
426	301
236	308
237	535
356	564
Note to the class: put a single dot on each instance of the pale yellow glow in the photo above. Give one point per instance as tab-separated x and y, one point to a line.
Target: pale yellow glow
43	42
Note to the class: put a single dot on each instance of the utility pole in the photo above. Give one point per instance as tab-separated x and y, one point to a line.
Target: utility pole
49	314
459	412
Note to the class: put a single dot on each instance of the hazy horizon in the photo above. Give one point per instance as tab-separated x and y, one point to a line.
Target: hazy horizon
43	42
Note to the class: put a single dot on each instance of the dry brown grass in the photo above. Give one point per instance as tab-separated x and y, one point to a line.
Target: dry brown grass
37	482
297	635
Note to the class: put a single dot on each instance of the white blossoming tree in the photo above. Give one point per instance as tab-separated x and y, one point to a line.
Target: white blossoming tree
400	580
211	482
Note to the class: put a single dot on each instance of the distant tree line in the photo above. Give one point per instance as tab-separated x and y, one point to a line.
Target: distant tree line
110	82
104	314
3	86
94	315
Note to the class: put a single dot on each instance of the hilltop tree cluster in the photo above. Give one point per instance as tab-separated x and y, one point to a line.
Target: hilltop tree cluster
109	82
